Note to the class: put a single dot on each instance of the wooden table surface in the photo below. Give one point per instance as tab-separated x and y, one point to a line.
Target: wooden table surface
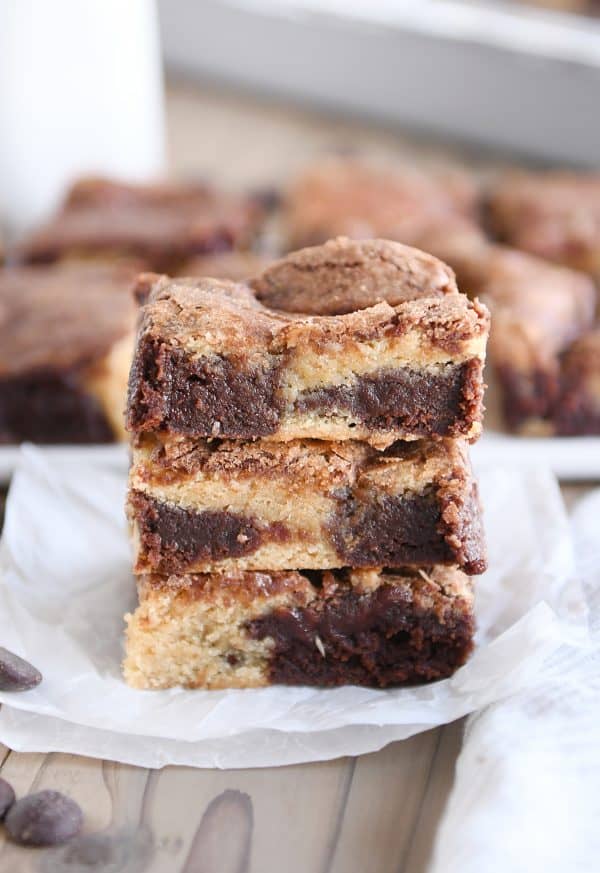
373	814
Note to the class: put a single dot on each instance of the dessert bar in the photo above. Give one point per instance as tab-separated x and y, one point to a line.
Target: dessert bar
202	506
213	361
349	627
351	196
555	215
163	225
66	340
538	310
578	408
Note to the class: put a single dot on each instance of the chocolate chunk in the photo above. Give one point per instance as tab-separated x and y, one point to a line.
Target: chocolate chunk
210	397
391	532
50	408
379	639
44	819
16	674
7	797
417	402
173	538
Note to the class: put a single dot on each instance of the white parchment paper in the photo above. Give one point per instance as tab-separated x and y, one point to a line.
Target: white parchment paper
65	583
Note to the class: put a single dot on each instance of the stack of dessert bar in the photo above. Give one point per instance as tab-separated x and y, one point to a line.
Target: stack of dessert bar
302	505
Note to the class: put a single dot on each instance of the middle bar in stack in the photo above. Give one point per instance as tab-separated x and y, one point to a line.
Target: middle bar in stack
269	447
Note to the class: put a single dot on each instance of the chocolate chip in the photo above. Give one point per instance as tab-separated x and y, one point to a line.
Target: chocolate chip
7	797
16	674
44	819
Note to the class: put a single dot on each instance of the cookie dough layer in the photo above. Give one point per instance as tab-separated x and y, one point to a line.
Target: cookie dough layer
213	361
372	628
66	342
538	311
199	506
162	225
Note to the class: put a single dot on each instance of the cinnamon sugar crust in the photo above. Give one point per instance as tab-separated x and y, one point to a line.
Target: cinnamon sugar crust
343	276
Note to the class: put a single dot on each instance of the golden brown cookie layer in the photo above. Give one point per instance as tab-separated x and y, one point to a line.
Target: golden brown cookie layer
198	506
375	628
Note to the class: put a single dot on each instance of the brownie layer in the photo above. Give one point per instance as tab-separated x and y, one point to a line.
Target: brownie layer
50	408
368	628
163	225
66	342
200	506
212	361
578	407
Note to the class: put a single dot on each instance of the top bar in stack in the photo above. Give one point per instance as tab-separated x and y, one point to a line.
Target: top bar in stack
389	350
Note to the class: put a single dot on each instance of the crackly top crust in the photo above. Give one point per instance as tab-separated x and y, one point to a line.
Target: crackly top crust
161	458
343	275
538	308
162	223
211	314
217	317
554	214
59	317
431	588
341	195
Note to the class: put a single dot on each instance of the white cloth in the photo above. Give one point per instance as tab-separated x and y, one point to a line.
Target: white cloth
66	582
527	789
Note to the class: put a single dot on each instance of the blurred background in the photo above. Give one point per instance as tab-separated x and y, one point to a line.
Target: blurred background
255	87
248	128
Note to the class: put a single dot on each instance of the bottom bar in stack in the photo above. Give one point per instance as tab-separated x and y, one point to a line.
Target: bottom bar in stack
370	627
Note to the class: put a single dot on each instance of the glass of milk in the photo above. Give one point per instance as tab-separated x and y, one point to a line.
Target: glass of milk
81	92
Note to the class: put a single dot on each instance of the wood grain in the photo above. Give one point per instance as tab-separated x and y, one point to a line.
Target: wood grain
336	817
